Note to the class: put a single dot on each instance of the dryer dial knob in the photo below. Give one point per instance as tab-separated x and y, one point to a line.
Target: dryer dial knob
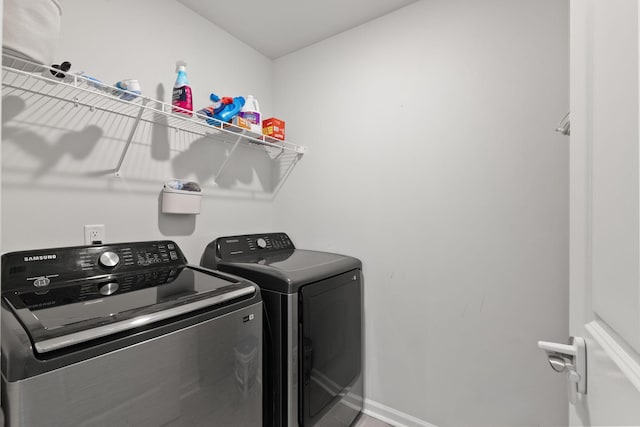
109	259
261	243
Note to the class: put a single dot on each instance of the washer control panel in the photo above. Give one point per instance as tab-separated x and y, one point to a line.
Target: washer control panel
45	268
238	246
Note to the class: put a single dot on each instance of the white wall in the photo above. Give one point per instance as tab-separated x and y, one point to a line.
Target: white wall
432	157
57	160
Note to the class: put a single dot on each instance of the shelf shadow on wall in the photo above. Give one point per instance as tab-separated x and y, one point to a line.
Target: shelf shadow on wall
204	158
77	144
160	145
48	139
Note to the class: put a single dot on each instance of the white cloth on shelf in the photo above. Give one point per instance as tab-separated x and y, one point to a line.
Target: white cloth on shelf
31	29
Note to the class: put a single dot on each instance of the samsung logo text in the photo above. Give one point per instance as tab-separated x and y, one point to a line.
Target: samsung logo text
40	257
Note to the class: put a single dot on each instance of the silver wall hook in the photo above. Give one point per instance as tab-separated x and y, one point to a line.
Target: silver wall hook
564	126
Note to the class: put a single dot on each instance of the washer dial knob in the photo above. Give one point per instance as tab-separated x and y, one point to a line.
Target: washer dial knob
109	259
261	243
109	288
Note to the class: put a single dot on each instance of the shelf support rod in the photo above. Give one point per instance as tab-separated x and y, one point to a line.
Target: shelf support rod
235	145
279	154
130	138
285	176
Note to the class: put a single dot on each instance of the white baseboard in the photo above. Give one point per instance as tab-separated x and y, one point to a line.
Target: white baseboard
392	416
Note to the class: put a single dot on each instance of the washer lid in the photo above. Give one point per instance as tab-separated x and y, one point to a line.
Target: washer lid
81	311
285	271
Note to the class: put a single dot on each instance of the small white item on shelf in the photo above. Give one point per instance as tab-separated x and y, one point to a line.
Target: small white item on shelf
30	30
130	89
181	197
92	81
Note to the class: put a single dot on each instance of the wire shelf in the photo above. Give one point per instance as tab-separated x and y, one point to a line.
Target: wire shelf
27	79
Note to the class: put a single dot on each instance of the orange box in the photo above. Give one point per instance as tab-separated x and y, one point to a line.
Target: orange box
273	127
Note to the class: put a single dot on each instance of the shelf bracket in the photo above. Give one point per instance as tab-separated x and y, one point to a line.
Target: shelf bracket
130	138
235	145
278	155
285	176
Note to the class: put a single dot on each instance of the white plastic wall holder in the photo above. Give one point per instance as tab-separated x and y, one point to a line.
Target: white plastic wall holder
181	201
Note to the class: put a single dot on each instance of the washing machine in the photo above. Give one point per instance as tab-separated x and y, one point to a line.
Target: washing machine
313	326
125	335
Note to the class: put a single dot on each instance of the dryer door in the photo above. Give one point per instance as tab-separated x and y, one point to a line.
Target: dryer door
330	343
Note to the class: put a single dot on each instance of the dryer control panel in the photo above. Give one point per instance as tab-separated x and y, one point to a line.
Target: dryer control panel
237	246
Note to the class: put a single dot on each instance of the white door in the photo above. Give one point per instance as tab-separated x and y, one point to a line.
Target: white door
605	207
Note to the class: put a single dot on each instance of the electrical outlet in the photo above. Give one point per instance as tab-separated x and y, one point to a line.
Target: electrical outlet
94	234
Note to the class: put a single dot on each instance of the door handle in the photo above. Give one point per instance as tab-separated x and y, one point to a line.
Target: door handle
307	363
572	359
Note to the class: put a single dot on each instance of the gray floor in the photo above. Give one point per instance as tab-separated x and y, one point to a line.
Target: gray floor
367	421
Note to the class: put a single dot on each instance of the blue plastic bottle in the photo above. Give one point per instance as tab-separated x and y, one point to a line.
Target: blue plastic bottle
222	110
231	110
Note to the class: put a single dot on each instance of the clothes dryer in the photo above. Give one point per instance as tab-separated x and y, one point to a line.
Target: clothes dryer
313	318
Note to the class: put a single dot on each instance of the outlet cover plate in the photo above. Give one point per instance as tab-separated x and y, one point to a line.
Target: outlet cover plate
94	234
